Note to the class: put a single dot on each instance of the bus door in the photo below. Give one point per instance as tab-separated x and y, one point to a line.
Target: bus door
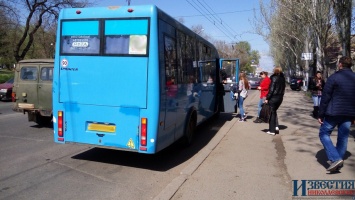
229	75
207	104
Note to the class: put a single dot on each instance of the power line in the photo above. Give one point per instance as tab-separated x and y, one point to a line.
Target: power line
222	13
206	11
209	18
214	15
224	24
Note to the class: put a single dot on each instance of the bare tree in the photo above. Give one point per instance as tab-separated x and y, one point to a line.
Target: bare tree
282	25
32	14
293	27
342	10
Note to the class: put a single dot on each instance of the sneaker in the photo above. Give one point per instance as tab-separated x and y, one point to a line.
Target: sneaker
335	165
245	116
277	130
241	120
339	167
270	133
258	120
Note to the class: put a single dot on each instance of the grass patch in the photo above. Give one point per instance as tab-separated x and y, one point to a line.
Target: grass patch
5	75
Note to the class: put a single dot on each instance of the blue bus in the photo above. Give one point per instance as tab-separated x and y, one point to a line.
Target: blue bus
131	78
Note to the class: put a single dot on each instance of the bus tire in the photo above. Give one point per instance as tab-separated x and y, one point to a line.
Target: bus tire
190	128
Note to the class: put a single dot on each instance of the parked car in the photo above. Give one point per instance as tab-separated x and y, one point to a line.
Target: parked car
296	83
254	82
6	90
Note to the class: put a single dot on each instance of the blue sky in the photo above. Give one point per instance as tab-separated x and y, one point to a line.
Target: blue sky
231	20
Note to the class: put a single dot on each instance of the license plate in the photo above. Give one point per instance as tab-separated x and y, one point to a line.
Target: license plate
102	127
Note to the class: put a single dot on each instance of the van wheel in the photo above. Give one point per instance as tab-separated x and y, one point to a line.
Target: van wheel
43	121
190	129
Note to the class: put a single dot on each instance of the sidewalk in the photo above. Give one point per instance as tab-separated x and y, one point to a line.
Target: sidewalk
243	162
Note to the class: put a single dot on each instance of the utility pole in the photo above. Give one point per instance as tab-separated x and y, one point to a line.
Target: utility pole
306	66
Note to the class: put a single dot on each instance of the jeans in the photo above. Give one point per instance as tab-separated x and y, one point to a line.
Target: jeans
274	105
240	105
261	101
335	153
316	100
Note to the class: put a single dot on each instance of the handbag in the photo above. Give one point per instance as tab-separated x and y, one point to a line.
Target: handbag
244	93
265	113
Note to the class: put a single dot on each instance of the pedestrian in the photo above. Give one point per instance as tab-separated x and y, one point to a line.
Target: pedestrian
316	86
275	97
243	93
264	89
337	108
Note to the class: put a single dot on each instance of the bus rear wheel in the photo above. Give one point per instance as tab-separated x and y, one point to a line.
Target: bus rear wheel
190	129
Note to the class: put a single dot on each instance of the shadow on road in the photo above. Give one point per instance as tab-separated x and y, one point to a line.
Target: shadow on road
164	160
322	157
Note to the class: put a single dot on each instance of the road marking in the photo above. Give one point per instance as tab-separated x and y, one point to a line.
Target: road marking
2	116
31	139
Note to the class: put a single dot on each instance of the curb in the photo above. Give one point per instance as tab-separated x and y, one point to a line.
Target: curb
169	191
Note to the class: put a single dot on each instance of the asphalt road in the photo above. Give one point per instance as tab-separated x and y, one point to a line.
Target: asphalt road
32	166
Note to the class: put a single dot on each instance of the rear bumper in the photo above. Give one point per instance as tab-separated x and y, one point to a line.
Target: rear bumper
44	113
295	86
5	96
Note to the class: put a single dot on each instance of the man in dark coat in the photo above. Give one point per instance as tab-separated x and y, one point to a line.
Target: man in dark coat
337	108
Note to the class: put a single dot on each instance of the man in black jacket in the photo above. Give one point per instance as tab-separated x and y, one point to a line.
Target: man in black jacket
337	108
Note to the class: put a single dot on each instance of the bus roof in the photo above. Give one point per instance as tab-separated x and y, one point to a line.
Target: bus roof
108	12
123	12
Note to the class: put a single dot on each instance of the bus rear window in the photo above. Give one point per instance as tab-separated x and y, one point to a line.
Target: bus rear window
126	36
80	37
105	37
126	44
84	44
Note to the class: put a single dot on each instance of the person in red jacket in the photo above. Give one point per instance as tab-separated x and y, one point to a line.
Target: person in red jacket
264	89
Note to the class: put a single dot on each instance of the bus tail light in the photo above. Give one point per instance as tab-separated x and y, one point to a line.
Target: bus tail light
60	126
144	132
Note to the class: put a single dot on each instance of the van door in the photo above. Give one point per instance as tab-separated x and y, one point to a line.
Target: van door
44	94
26	92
